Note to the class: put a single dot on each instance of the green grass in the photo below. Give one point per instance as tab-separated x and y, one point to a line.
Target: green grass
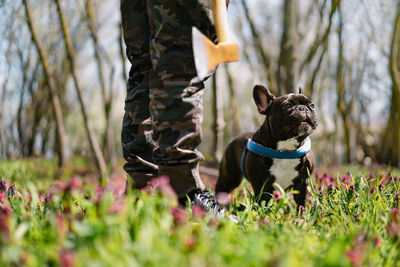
352	222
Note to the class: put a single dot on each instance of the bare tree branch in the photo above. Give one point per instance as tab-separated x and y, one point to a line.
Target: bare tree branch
94	145
285	71
218	120
108	144
391	137
341	106
51	86
259	46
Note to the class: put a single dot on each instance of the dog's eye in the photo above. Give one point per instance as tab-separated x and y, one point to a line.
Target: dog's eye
312	105
288	105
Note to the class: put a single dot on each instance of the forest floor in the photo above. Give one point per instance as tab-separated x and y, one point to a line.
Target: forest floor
69	218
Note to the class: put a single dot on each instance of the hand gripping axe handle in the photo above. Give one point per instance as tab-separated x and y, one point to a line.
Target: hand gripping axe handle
207	54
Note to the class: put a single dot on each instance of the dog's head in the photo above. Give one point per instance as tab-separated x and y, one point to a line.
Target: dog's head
287	116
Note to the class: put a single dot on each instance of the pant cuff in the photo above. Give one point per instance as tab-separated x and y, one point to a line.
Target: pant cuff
183	178
140	180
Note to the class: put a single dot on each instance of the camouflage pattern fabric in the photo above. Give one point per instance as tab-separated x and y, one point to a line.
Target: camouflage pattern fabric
163	106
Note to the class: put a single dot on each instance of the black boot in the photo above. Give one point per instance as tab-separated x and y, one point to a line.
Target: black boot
207	201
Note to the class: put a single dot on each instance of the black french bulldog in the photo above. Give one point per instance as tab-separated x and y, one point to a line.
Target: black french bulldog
279	152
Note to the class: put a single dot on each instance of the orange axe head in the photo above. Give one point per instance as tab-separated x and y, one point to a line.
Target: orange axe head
207	54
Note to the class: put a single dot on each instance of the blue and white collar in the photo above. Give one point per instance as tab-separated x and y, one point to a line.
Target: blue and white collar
278	154
272	153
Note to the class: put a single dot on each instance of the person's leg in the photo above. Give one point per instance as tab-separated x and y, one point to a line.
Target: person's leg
137	140
176	95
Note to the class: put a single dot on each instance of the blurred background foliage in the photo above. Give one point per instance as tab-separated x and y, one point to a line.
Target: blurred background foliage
63	73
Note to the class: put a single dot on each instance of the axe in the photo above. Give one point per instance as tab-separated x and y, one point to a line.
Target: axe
207	54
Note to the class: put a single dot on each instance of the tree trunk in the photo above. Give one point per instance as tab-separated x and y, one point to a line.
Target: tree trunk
259	46
320	40
108	146
233	107
391	140
94	145
312	76
323	44
122	52
2	137
253	68
35	113
285	75
341	105
20	127
218	120
51	85
45	137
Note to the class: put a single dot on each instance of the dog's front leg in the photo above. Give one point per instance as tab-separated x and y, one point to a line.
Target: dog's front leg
262	190
300	196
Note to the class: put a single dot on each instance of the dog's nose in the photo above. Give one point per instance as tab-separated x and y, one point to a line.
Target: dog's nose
302	108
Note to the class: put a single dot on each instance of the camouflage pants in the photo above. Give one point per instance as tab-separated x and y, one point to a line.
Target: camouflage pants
163	106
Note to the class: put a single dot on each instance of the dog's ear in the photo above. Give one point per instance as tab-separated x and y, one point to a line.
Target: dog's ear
263	98
301	91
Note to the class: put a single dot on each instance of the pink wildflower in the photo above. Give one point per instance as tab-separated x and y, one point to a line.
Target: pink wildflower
5	215
199	211
277	195
223	198
372	190
190	242
74	183
380	186
377	241
393	227
346	179
98	194
331	188
117	207
61	185
60	222
11	190
352	188
395	212
3	186
179	215
302	208
117	186
162	184
357	253
66	258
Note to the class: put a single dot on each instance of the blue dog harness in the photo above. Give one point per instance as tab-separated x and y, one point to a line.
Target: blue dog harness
272	153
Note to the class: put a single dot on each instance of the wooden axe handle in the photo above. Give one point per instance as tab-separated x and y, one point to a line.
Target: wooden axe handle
221	20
